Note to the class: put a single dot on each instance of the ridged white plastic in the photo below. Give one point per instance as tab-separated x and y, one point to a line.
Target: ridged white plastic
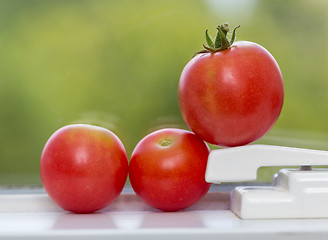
294	194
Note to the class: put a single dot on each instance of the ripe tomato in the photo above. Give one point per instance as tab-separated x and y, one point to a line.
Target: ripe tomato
83	168
167	169
231	96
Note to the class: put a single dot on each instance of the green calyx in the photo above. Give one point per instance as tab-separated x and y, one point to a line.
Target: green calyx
165	142
221	41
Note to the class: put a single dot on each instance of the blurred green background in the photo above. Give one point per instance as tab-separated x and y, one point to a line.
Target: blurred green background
117	64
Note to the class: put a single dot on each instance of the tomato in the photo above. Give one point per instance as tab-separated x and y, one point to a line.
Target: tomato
231	96
83	168
167	169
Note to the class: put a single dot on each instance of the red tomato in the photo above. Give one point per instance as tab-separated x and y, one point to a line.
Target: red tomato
231	97
167	169
83	168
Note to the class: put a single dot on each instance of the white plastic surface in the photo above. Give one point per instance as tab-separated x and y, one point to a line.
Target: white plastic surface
240	164
294	194
297	194
35	216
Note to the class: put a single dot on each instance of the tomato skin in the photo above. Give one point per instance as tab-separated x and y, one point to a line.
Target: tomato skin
232	97
172	177
83	168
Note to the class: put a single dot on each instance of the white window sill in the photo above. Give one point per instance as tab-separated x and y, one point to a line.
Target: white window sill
30	214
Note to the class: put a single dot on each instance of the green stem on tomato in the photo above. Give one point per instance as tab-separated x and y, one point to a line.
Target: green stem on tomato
209	40
221	41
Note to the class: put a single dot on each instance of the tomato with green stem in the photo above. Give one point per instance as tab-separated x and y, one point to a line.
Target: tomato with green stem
231	93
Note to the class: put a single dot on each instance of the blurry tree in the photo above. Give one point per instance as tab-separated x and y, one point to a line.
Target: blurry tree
117	64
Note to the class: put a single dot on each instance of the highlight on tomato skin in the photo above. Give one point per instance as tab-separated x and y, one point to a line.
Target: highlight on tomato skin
83	168
233	95
167	169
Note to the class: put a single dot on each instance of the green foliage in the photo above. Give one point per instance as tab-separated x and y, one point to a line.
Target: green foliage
117	64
